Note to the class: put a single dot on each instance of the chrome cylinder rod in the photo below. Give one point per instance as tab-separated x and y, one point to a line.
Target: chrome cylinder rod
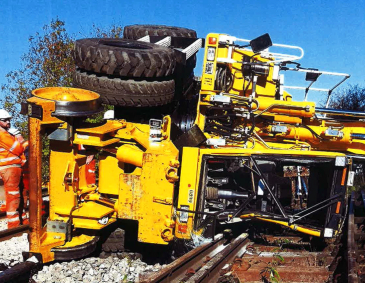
339	112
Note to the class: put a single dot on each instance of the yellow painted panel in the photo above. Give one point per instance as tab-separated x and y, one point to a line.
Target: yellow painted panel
129	195
109	126
89	223
91	140
188	190
110	170
62	196
148	198
91	209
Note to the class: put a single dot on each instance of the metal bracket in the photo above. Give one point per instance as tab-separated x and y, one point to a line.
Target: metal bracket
164	42
145	39
60	135
193	48
57	227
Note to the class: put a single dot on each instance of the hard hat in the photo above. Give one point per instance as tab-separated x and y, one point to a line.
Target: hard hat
109	115
4	114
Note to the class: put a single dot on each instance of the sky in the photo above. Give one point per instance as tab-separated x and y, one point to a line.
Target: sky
331	32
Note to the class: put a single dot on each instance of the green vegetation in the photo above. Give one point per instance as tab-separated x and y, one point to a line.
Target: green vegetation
270	271
48	63
352	98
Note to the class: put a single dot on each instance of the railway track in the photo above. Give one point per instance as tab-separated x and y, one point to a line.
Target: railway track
202	264
284	259
272	258
356	238
13	232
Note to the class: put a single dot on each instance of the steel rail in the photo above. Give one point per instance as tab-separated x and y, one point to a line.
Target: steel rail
352	265
13	232
20	272
210	272
200	264
191	260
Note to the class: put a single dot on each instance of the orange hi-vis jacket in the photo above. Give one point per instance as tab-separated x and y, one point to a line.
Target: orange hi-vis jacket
11	151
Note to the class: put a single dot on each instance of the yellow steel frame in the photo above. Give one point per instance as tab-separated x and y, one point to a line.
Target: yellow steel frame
190	180
144	194
137	176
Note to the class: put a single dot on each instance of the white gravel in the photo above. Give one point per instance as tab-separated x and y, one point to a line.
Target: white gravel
111	269
3	225
11	250
89	270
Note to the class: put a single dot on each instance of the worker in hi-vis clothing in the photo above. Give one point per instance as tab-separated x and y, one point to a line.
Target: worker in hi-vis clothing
12	159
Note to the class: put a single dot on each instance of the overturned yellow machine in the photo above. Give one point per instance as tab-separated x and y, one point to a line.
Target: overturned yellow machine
243	150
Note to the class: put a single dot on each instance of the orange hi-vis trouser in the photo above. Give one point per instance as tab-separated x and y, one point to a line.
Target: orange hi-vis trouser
25	193
11	178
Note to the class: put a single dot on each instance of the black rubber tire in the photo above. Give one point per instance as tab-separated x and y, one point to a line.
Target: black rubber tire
137	31
115	91
124	57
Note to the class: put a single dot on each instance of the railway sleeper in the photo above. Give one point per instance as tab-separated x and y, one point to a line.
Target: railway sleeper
290	259
359	220
360	236
310	274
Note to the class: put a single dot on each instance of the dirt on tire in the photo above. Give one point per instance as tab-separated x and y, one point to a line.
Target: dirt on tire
137	31
132	93
124	58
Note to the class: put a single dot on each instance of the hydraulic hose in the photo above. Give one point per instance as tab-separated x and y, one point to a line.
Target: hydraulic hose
358	136
294	227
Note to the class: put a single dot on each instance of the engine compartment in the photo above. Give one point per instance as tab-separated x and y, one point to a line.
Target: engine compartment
276	187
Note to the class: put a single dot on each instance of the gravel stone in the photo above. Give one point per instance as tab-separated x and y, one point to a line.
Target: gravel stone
11	250
115	268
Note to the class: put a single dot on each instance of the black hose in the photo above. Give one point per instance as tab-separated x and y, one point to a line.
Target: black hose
223	79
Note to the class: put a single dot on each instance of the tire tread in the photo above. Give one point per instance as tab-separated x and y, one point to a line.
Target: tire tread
116	91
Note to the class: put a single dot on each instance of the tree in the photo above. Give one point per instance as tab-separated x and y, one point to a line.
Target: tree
351	98
48	63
